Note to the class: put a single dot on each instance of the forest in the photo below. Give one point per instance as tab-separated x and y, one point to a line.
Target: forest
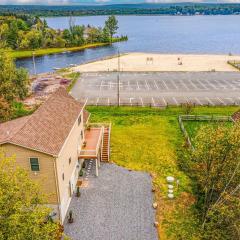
125	9
25	32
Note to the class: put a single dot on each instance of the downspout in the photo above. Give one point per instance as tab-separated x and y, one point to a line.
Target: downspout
57	187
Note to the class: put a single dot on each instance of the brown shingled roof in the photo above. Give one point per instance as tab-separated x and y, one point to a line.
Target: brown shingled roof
236	116
47	128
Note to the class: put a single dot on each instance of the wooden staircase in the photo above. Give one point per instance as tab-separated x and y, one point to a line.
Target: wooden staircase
106	144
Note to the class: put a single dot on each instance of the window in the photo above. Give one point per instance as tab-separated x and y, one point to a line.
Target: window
69	160
34	164
79	120
81	134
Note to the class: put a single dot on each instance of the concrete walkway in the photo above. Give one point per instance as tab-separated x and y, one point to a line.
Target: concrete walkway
115	206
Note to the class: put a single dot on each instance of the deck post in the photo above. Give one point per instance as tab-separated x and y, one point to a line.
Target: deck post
96	167
99	160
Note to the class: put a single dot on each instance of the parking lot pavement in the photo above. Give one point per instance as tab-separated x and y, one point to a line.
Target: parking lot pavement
159	88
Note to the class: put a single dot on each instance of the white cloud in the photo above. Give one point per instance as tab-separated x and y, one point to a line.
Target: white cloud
102	1
47	2
171	1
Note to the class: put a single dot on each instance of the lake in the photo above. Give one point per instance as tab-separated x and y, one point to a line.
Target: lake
158	34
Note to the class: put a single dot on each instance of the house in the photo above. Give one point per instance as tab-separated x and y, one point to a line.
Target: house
236	116
52	143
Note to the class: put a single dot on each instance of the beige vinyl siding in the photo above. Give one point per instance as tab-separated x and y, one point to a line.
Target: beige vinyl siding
45	177
69	150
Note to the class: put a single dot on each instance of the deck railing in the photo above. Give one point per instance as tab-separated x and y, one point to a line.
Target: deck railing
93	153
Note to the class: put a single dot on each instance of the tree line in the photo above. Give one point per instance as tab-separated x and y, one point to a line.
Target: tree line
126	9
22	32
214	166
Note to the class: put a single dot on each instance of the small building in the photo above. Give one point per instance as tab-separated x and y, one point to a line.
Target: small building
52	143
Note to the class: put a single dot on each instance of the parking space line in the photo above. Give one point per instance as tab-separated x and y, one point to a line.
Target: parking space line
210	101
230	99
153	102
147	84
198	101
165	103
219	83
101	85
193	84
155	84
165	85
201	84
130	101
220	100
212	85
175	100
229	84
97	101
138	87
184	84
174	84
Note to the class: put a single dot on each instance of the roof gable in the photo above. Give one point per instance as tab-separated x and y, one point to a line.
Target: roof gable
47	128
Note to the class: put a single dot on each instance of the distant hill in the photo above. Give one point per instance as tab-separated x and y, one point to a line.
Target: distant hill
124	9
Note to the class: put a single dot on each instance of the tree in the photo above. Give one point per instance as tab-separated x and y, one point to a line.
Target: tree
215	164
5	110
187	107
14	83
111	25
22	210
94	35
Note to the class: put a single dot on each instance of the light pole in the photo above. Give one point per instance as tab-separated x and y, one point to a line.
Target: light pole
118	80
34	64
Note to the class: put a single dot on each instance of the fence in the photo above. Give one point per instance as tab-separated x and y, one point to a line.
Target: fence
235	64
183	118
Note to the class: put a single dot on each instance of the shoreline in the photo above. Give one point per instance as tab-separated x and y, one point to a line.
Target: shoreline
21	54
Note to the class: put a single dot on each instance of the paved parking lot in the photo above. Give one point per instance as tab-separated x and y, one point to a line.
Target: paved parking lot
159	88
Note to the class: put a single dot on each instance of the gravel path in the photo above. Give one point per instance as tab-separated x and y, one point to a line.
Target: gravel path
115	206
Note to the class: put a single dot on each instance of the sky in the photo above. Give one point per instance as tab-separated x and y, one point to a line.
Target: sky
67	2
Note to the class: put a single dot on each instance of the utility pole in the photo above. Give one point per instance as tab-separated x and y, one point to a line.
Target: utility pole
118	80
34	64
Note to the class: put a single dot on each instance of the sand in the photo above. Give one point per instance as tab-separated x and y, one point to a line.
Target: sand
162	62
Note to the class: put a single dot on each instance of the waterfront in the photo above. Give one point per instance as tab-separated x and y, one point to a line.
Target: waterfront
155	34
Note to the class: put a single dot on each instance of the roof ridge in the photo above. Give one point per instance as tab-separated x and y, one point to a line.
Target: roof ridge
31	116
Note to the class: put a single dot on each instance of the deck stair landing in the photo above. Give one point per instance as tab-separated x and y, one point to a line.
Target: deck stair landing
106	143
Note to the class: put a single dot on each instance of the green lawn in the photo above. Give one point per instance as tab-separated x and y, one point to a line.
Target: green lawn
46	51
192	127
149	140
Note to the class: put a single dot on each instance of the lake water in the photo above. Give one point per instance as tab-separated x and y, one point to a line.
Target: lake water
158	34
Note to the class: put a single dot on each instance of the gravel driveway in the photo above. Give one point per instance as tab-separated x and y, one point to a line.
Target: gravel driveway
115	206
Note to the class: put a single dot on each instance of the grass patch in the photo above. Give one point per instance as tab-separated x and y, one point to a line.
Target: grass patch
193	127
148	139
74	76
48	51
19	110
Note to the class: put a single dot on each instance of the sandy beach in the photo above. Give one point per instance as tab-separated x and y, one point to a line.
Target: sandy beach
139	62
